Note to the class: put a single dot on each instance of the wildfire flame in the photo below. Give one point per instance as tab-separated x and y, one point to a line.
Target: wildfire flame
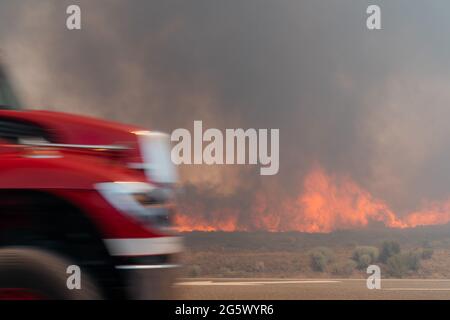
327	203
226	221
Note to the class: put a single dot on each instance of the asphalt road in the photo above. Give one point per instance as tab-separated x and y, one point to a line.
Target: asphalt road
311	289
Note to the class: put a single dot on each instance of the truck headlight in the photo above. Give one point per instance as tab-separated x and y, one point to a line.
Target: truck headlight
150	205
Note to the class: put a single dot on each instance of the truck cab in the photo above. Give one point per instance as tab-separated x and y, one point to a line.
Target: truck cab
85	206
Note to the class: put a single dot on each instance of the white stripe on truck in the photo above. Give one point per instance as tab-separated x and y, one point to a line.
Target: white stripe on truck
144	247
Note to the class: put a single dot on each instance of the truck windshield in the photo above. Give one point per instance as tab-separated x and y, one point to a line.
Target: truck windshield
8	98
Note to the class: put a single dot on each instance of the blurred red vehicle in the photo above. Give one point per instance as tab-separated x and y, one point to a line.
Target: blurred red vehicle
81	191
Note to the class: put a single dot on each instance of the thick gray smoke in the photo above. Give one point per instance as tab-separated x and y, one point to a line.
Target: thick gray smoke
373	105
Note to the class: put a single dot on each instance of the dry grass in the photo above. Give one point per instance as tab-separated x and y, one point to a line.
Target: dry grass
288	255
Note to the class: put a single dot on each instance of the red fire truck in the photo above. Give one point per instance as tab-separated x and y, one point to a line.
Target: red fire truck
79	191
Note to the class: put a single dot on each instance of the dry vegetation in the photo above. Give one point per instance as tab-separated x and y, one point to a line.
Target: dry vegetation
421	253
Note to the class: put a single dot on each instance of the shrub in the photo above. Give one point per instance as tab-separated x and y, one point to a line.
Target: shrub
427	253
364	261
344	268
365	256
399	264
320	258
427	244
396	266
318	261
226	271
195	271
388	250
412	260
260	266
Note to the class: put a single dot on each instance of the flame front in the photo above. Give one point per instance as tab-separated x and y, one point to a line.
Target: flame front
227	221
327	203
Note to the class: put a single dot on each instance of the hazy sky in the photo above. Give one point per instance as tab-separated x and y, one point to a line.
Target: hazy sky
374	105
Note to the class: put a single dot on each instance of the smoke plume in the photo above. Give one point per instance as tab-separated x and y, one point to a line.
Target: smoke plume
363	115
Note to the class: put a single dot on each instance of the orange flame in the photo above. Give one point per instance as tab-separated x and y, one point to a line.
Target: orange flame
226	221
327	203
331	202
